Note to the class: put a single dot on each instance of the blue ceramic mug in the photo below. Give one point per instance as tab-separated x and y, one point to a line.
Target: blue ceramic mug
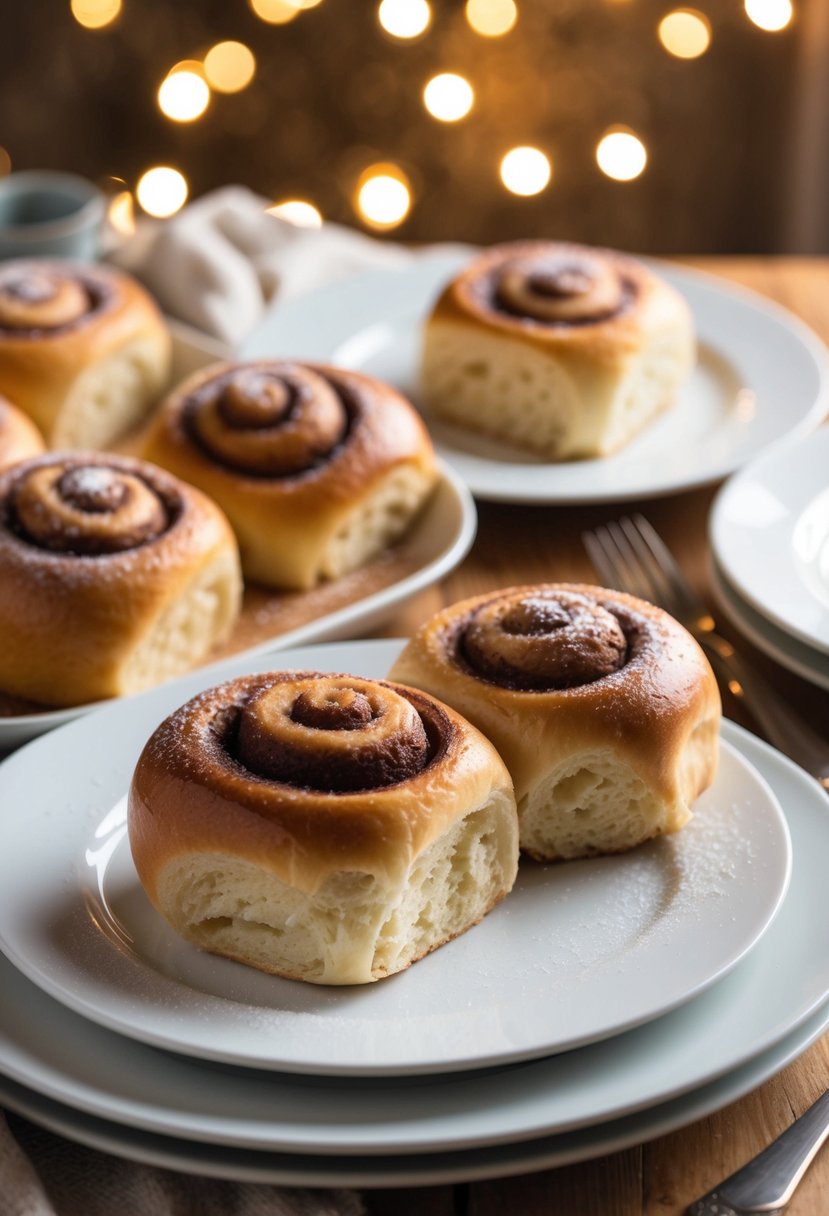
49	214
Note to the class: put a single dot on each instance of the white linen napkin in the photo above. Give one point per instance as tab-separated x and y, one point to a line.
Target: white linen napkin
223	260
42	1174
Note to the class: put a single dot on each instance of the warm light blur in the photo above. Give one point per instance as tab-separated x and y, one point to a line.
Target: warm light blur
448	97
771	15
685	33
621	154
95	14
275	12
121	213
404	18
5	162
229	66
383	197
492	18
162	191
297	211
183	95
525	171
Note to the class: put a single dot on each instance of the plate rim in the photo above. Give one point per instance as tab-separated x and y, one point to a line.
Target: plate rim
782	774
432	1168
148	989
767	637
441	261
719	526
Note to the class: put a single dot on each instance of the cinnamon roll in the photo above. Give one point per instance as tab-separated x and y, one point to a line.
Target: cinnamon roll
84	351
114	576
19	437
317	468
603	707
565	350
321	827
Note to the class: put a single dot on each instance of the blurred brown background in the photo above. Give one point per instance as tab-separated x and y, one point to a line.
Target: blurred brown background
735	136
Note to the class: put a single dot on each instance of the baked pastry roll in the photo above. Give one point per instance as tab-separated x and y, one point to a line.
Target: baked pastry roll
321	827
114	576
562	349
84	350
317	468
19	437
603	707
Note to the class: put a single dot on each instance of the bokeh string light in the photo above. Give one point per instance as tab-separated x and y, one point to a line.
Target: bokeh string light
526	171
491	18
184	94
621	154
404	18
229	66
162	191
448	97
297	211
383	196
685	33
274	12
95	14
770	15
121	213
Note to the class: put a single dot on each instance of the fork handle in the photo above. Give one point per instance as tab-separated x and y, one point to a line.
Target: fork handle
768	1182
782	725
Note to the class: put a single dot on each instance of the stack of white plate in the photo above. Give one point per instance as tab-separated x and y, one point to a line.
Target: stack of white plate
770	554
602	1003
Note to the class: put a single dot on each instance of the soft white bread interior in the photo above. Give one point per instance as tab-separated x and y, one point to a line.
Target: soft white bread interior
604	753
561	390
325	885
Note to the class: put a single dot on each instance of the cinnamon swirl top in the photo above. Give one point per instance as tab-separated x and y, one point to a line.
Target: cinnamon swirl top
547	638
336	734
546	288
40	299
88	504
270	419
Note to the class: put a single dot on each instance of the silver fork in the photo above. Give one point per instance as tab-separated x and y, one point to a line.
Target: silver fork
768	1181
629	554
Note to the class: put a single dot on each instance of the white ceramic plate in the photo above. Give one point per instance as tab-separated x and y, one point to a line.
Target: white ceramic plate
498	1161
769	530
577	953
441	538
761	374
774	992
803	660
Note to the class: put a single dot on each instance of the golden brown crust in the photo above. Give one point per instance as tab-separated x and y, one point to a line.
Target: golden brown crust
374	434
191	794
19	437
72	612
645	706
42	363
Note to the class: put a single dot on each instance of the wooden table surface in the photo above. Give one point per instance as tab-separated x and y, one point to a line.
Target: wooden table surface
518	544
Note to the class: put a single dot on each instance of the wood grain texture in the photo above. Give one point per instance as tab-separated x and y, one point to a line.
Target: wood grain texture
518	544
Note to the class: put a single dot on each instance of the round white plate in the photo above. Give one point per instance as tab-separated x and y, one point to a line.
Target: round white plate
441	538
761	374
498	1161
803	660
774	991
769	530
577	953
